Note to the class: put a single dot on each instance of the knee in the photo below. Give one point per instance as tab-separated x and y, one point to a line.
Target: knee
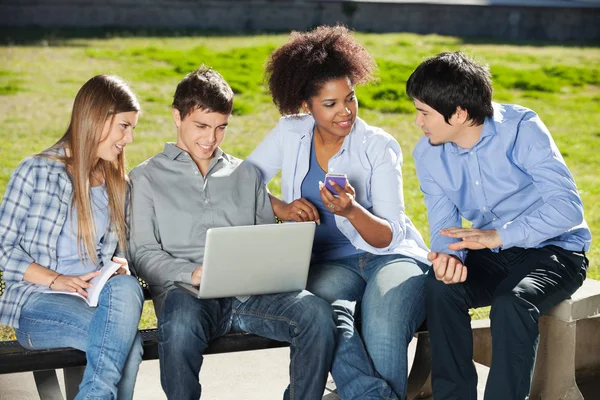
510	304
176	325
176	334
380	330
126	289
317	316
435	289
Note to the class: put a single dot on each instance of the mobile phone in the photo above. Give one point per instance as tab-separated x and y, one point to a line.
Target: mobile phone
340	179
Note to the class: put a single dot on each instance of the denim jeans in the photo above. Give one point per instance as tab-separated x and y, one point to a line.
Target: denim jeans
521	285
187	324
107	334
389	290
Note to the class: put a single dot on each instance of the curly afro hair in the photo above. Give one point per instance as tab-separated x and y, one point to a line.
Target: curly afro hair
297	70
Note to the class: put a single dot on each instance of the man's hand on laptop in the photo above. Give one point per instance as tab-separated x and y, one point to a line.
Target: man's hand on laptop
197	276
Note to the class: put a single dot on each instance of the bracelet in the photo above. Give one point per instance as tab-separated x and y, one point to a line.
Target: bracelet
53	280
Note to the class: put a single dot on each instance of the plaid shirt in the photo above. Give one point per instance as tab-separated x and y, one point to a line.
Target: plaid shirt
32	214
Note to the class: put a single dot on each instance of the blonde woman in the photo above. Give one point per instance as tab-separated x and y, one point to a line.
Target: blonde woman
62	218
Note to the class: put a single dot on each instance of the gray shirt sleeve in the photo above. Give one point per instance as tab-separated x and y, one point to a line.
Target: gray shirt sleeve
264	211
151	262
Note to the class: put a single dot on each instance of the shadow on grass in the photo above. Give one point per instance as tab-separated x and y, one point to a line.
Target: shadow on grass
67	37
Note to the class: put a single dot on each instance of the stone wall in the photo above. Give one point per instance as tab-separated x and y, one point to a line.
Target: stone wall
554	20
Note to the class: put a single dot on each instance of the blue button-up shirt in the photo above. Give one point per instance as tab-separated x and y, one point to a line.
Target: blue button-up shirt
513	180
371	159
32	214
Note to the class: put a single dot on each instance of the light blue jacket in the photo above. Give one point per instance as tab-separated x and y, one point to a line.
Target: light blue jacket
372	161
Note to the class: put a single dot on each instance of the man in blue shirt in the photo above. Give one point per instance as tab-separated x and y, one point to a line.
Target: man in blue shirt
497	166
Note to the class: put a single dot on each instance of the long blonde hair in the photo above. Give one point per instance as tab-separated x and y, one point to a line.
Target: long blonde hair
98	100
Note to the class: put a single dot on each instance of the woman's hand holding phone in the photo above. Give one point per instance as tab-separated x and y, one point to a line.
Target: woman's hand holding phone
343	202
339	179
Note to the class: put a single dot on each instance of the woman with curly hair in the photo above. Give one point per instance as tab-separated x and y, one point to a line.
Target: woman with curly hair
366	250
61	219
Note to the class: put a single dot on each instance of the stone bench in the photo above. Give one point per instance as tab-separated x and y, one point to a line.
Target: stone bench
568	353
44	363
569	347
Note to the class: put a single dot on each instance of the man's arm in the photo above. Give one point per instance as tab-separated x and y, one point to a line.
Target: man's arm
264	211
119	252
536	153
441	213
448	264
150	261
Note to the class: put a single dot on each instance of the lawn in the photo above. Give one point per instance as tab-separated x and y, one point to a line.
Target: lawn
40	77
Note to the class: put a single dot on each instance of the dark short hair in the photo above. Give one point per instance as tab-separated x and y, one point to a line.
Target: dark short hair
203	89
451	80
298	70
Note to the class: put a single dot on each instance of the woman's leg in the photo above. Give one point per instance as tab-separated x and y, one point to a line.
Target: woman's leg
106	333
130	370
111	336
341	283
392	309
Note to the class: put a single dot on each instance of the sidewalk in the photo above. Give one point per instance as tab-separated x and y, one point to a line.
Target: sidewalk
253	375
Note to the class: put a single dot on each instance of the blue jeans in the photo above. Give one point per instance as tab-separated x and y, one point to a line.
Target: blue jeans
107	334
187	324
390	291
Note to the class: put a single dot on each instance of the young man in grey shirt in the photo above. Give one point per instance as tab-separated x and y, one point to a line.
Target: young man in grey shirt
177	196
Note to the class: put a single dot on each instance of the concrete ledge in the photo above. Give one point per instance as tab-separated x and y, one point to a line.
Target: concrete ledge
585	303
556	20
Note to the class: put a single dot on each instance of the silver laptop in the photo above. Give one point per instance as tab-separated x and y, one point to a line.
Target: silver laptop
256	259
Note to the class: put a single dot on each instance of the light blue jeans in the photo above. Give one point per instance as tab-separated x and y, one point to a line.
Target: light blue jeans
107	334
187	324
389	290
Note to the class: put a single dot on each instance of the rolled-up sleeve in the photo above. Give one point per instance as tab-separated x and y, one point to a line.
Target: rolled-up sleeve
14	260
268	155
387	195
441	213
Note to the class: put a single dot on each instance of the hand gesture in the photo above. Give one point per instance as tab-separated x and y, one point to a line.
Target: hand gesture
197	276
300	210
447	268
474	239
124	270
71	283
342	205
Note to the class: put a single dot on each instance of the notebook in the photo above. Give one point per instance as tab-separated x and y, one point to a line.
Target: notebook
98	282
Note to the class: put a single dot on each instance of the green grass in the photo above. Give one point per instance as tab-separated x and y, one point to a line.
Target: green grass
40	77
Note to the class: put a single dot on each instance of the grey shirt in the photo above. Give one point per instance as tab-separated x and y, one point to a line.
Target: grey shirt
173	206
